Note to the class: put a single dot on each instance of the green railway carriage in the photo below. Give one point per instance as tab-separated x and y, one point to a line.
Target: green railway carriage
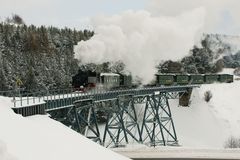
165	79
225	78
182	79
196	79
110	80
210	78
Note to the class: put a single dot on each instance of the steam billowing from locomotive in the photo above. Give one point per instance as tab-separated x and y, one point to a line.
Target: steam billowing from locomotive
140	40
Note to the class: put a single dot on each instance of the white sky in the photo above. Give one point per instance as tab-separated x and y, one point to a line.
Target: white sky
222	15
71	13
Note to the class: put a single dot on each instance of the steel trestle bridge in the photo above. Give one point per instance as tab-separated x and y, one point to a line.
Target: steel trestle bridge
118	117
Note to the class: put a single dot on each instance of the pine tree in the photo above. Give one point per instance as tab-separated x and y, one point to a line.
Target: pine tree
42	55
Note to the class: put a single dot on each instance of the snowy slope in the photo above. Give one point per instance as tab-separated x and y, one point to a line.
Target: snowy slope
209	125
41	138
197	126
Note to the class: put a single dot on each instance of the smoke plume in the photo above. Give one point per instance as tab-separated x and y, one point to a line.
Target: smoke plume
141	40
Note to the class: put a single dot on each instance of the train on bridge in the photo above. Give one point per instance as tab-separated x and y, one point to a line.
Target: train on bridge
84	81
184	79
88	80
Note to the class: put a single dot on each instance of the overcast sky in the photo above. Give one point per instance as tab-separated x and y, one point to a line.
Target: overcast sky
71	13
222	16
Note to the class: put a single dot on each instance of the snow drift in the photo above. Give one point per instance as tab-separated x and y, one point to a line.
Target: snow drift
209	125
39	137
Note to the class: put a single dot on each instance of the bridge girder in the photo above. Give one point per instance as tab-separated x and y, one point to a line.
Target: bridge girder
124	123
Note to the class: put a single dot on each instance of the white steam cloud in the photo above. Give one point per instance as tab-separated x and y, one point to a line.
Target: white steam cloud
141	40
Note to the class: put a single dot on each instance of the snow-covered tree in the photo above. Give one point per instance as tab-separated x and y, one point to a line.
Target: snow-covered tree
42	57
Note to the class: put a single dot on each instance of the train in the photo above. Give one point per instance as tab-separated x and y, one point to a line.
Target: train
184	79
88	80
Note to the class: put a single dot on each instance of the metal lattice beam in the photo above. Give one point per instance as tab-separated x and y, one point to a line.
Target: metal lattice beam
122	122
153	126
158	127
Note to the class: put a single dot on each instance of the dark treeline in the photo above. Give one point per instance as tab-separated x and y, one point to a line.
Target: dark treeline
38	57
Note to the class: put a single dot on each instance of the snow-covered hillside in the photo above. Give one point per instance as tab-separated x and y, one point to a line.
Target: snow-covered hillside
41	138
209	125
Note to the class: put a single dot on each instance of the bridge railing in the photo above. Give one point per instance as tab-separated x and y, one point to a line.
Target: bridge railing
22	98
64	97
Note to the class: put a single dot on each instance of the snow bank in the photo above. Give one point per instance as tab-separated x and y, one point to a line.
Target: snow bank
225	105
178	152
197	126
4	155
39	137
208	125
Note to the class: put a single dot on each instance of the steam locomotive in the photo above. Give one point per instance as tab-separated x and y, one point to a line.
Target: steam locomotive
88	80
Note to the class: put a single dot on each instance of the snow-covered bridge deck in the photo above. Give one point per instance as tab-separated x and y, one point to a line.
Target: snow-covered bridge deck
58	101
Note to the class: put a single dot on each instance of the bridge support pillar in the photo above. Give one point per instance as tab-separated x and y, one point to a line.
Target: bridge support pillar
184	99
158	127
86	120
121	126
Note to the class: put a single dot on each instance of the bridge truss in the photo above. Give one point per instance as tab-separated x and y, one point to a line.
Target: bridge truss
127	117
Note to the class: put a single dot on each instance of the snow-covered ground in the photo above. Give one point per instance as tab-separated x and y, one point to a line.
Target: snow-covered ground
209	125
202	125
41	138
179	152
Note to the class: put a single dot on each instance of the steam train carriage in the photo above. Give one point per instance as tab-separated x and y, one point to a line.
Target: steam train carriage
110	80
197	79
226	78
87	80
165	79
183	79
114	80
